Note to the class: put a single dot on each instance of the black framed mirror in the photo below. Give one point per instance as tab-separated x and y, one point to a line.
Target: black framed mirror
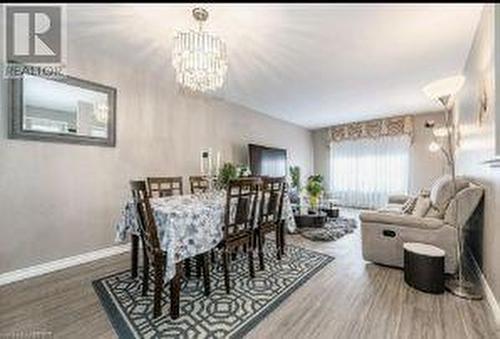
67	110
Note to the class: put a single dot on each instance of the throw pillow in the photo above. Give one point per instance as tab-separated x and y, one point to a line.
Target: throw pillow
422	206
442	191
409	205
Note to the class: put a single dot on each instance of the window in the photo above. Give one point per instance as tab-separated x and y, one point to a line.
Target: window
364	172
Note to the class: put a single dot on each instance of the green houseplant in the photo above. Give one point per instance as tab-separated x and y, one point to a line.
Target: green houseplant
295	188
295	177
314	189
227	172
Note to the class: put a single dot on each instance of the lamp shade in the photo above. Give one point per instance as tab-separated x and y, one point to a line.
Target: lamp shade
434	147
444	87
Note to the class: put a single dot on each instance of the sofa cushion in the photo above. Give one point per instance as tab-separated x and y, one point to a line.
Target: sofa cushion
401	220
442	192
463	205
421	206
391	208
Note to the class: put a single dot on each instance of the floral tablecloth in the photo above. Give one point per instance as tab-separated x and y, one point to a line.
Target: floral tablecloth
187	224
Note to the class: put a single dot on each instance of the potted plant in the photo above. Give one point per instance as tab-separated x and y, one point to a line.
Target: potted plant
294	184
227	173
314	189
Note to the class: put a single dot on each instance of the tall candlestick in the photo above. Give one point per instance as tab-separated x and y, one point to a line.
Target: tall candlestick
217	163
202	168
210	161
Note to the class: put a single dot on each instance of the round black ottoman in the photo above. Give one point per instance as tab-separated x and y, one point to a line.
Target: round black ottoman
424	267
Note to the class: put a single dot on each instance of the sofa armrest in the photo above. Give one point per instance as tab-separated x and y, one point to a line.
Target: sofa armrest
398	199
401	220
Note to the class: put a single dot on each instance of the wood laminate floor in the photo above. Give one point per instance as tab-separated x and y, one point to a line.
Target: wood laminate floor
350	298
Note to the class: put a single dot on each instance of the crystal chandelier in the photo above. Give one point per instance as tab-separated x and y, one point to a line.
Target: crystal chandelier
199	57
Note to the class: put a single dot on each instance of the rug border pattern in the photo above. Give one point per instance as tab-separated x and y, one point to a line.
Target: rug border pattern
125	330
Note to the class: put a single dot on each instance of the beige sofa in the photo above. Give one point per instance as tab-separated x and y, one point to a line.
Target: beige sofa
384	231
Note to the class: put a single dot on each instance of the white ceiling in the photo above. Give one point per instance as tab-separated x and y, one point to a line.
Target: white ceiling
313	65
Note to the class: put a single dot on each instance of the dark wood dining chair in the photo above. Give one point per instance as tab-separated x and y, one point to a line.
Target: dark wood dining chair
239	221
270	216
199	184
156	256
159	187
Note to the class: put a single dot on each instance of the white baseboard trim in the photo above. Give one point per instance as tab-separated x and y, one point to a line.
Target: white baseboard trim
487	292
56	265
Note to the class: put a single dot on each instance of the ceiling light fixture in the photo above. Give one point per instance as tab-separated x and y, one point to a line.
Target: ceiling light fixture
199	57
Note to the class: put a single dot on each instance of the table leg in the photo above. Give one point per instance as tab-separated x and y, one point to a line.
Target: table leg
159	272
175	291
206	273
134	241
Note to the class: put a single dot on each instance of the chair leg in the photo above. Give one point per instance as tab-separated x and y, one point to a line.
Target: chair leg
278	241
134	242
145	273
187	265
175	291
225	259
158	289
250	262
283	232
206	273
260	241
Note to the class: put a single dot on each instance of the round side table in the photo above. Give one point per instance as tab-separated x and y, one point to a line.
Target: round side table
424	267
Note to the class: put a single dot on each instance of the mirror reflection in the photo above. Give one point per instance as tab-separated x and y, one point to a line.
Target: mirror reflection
58	107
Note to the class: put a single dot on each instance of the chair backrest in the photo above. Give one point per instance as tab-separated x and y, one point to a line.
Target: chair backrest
199	184
159	187
241	206
147	225
271	202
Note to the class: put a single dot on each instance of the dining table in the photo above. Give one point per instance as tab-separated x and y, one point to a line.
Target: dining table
188	225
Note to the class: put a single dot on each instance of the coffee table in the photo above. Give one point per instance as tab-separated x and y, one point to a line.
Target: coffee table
316	219
331	212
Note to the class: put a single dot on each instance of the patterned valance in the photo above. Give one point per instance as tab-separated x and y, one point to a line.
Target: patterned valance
402	125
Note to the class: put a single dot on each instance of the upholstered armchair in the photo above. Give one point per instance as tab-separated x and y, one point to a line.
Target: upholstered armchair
431	218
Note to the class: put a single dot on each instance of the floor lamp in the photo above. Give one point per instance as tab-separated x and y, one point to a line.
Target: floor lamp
443	91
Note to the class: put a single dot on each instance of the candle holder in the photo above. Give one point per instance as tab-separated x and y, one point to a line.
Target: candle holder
207	169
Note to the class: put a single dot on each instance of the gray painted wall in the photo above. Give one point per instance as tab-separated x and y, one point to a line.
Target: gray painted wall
59	200
425	167
478	140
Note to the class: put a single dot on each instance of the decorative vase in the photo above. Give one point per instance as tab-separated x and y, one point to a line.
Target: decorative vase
314	201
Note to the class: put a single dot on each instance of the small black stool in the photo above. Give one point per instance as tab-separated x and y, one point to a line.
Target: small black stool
424	267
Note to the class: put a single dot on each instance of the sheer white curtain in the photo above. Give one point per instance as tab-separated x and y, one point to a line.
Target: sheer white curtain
364	172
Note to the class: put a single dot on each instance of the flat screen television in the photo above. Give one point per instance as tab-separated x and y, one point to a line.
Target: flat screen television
267	161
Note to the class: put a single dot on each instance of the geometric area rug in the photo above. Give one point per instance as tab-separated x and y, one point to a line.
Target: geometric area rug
220	315
334	229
